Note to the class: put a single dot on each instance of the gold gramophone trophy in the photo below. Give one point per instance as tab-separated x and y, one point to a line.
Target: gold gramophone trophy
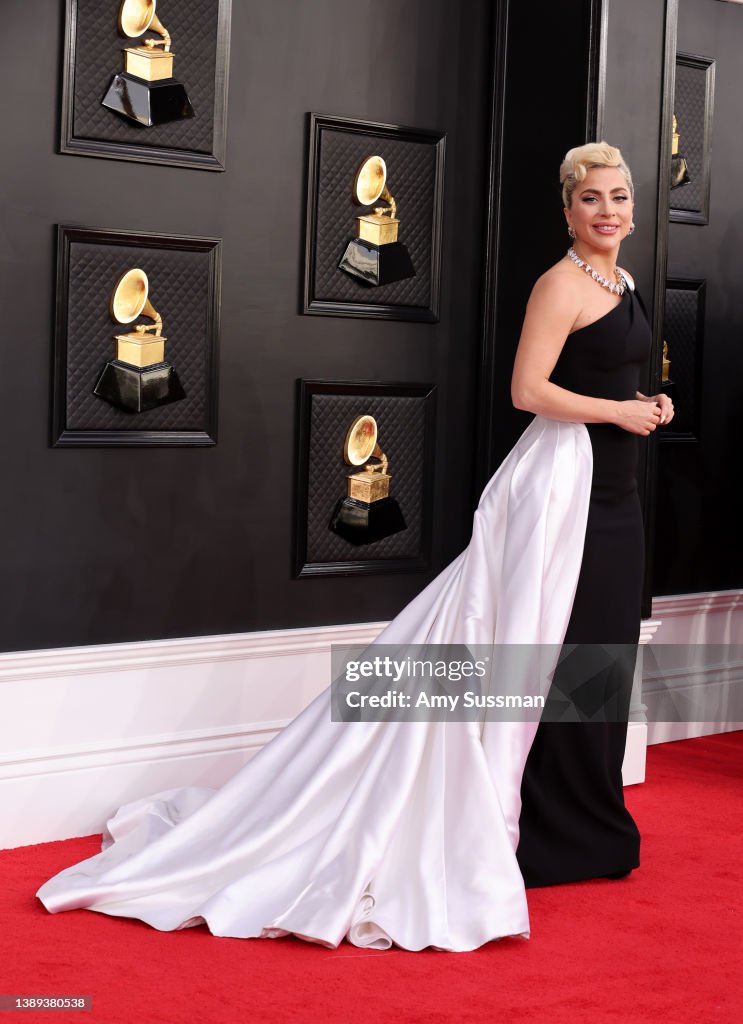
146	92
376	256
679	168
368	512
138	378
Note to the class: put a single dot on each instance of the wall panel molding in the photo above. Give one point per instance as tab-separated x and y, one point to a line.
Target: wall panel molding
714	618
178	653
658	309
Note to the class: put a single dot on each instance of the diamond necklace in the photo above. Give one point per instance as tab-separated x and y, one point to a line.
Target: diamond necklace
618	289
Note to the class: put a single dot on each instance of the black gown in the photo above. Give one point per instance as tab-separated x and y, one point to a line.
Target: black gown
574	824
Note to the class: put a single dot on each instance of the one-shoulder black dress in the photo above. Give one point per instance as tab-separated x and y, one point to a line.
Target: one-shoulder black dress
574	824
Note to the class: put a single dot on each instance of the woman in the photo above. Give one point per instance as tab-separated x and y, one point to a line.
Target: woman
594	341
398	831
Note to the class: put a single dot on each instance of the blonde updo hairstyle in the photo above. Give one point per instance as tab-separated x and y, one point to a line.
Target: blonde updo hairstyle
581	159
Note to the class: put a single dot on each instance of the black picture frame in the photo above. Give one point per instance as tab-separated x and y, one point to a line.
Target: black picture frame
412	460
75	369
173	149
684	330
694	106
339	294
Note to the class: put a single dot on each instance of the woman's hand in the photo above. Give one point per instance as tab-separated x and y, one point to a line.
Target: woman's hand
639	415
665	403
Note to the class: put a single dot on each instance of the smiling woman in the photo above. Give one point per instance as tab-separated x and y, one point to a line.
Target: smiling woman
598	194
584	342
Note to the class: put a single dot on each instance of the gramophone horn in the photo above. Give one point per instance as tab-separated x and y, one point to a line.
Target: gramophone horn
136	16
370	184
361	440
370	180
129	299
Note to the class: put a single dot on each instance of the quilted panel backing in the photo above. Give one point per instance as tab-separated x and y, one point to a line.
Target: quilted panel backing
680	331
401	425
411	178
689	110
179	291
192	25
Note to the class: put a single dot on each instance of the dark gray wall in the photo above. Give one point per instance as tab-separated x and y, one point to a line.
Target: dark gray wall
116	545
700	503
633	107
632	113
545	111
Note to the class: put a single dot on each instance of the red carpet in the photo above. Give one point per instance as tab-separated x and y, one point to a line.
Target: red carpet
663	945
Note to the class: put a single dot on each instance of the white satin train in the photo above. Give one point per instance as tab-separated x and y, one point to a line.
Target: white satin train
380	832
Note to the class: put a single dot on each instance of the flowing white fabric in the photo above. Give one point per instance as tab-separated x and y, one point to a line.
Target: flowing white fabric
379	832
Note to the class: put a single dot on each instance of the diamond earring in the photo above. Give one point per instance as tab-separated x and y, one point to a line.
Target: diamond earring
631	228
571	230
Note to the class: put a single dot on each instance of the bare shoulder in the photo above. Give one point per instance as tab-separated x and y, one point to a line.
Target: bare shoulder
558	292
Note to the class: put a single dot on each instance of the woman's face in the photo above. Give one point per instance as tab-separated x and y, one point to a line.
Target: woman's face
601	208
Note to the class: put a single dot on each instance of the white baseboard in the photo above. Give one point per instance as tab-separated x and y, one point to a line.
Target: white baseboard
714	687
85	730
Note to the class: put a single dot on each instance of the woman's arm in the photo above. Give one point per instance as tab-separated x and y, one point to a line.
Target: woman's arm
551	312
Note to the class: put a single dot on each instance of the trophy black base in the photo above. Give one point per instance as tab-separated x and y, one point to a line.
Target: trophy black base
147	103
362	522
377	264
138	388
